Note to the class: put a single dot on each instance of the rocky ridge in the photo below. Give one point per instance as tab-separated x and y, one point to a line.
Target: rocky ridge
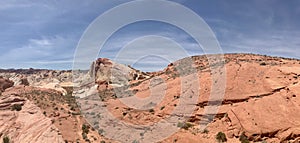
261	101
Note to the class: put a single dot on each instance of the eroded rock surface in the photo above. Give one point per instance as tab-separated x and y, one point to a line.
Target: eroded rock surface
22	121
261	98
261	101
5	83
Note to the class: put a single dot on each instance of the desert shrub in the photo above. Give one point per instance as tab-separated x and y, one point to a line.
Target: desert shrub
76	113
162	108
100	131
85	129
206	131
102	142
17	107
151	110
221	137
142	134
243	138
84	136
24	81
72	108
263	64
6	140
185	126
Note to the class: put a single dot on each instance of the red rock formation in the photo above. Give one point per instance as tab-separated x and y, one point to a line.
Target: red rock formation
261	101
27	124
5	83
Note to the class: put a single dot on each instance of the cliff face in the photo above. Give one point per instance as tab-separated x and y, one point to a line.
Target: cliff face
261	102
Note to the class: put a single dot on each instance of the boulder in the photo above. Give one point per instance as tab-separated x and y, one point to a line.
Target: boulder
5	83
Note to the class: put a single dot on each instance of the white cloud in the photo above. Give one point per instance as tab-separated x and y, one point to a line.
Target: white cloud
9	4
134	46
244	29
40	42
38	52
278	43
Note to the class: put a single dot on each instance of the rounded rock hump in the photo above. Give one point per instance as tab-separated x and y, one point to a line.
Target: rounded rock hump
5	83
115	74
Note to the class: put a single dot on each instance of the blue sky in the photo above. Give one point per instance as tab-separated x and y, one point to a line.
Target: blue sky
45	33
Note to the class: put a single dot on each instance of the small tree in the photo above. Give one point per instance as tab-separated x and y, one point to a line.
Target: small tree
151	110
17	107
206	131
85	129
221	137
243	138
84	136
263	64
6	140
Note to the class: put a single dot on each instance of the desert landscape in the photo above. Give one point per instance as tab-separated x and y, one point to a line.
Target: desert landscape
261	102
149	71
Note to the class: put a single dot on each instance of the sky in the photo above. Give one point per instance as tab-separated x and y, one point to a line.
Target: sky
45	33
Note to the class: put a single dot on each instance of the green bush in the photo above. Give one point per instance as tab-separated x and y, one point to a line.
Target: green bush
221	137
185	126
243	138
151	111
206	131
6	140
17	107
84	136
263	64
100	131
85	129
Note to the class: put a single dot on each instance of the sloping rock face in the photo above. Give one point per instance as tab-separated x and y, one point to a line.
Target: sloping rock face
62	112
22	121
5	83
261	100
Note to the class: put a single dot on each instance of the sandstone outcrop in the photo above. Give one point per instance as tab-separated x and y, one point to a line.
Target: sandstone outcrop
261	102
5	83
115	74
22	121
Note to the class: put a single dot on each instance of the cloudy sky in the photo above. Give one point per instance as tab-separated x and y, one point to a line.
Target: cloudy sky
45	33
